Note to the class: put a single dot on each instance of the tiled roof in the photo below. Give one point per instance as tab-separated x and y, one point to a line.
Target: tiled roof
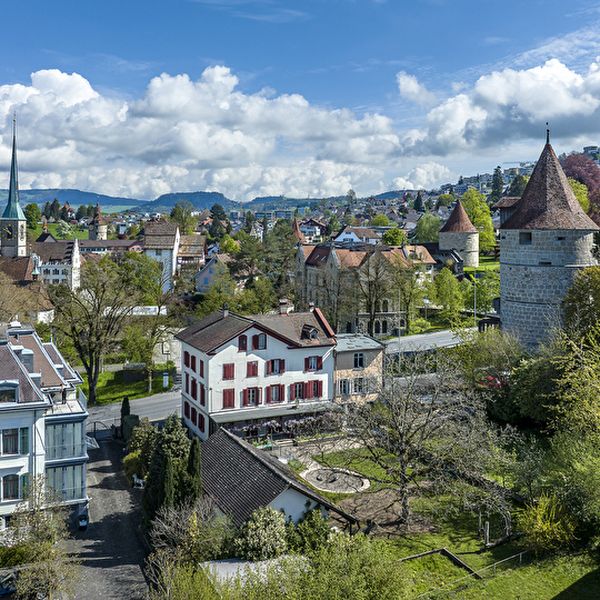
306	250
297	233
292	326
159	234
54	251
241	478
11	368
548	201
458	221
350	258
361	232
213	331
506	202
109	244
68	373
318	256
17	268
192	245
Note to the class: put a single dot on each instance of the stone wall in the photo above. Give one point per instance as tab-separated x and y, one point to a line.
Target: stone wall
466	244
535	275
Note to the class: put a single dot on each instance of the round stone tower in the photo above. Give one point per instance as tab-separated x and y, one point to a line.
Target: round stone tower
458	233
98	230
543	244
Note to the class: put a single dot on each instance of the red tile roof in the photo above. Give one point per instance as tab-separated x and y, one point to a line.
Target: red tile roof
458	221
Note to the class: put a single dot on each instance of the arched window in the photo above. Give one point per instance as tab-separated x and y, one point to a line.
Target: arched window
384	327
377	327
385	306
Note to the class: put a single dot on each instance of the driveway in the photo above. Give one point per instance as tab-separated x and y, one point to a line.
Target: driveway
111	551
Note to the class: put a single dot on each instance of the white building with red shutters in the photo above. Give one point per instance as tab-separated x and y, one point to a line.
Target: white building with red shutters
258	373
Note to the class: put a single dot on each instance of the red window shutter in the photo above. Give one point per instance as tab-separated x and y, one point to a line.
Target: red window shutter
242	343
293	391
249	369
320	389
282	393
254	342
228	371
201	368
258	395
228	398
268	400
245	397
282	366
306	363
269	367
307	390
319	363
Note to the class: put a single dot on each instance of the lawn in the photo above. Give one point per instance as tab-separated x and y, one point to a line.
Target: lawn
486	263
33	234
114	386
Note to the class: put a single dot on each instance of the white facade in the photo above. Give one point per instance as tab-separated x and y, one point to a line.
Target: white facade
222	393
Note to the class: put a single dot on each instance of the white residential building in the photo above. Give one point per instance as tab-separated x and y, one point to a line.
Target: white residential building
161	242
255	372
42	422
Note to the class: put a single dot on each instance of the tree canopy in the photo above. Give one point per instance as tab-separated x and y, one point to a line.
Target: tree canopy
478	210
428	228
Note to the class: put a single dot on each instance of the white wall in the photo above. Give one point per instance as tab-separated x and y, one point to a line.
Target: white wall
293	503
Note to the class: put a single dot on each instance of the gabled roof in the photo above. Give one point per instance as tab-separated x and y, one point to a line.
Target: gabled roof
46	237
241	478
297	233
160	234
458	221
68	373
192	245
12	369
360	232
18	268
548	201
318	256
48	251
506	202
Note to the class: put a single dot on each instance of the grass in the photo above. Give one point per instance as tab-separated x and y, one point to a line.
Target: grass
113	386
486	263
33	234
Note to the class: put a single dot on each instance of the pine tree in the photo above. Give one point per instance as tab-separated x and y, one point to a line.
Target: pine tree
47	212
55	209
168	484
419	206
497	186
194	470
125	408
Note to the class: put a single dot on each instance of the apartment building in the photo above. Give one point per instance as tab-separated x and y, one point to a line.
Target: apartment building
256	373
42	422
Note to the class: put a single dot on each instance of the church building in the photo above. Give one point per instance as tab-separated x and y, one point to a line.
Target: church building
545	241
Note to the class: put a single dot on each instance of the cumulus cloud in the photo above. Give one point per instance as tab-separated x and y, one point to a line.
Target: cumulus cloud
411	89
185	134
509	105
424	176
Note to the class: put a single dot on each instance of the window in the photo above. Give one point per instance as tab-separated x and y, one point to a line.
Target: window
202	395
193	362
545	263
229	398
158	252
313	389
186	410
297	391
358	386
64	440
275	366
313	363
525	238
384	327
275	393
186	358
560	238
259	342
194	415
8	393
194	389
10	441
251	396
252	368
67	482
10	487
242	343
24	440
201	422
187	383
201	368
385	306
377	327
359	360
344	386
228	371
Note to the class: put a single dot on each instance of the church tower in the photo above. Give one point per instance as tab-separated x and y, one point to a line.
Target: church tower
543	244
97	229
13	225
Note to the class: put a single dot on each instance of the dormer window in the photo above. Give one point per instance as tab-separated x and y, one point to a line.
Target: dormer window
9	391
310	333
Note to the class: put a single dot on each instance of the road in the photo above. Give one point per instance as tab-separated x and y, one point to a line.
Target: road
424	341
155	408
111	550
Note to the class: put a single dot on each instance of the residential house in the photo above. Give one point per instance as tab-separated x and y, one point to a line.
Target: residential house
357	235
216	265
161	242
241	479
192	253
42	422
314	231
358	368
255	373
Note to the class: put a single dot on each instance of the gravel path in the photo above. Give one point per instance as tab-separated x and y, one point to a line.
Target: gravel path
111	551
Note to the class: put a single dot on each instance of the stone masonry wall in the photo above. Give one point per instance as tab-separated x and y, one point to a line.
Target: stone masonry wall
535	276
466	244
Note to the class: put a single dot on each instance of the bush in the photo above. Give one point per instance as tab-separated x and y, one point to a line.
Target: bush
311	533
133	465
263	536
546	525
418	325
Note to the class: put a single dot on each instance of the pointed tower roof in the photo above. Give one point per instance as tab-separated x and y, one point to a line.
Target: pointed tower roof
13	209
459	221
548	201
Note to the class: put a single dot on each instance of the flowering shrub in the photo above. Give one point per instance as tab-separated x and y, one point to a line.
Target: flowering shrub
263	536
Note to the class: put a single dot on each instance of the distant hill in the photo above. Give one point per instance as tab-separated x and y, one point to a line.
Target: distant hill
200	201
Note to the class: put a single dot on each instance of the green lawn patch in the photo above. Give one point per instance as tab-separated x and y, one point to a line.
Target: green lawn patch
34	234
486	263
114	386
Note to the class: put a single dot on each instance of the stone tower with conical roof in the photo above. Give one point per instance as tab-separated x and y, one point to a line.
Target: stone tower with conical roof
458	233
13	225
543	244
97	229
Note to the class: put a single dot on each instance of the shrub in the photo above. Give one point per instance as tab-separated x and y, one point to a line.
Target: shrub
311	533
133	465
418	325
546	525
263	536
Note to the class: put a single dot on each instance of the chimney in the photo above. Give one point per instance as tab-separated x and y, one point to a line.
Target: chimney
311	306
225	310
26	357
284	306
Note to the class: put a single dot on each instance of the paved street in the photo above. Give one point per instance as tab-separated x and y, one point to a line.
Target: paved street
155	408
423	341
110	551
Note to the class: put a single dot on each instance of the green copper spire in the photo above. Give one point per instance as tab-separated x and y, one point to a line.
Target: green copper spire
13	209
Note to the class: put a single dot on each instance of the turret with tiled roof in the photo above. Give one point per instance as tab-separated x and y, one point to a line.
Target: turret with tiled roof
543	244
459	221
458	233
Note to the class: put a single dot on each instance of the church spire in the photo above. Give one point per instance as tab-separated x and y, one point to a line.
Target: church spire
13	209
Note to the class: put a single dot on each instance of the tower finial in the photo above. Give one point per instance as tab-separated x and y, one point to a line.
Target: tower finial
547	133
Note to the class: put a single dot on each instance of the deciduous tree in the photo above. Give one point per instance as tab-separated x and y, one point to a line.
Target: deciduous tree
428	228
33	215
182	214
478	210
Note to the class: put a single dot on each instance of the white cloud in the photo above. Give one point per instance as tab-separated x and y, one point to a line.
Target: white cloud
424	176
411	89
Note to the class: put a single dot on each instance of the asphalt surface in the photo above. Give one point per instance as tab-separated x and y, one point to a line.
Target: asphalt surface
155	408
111	550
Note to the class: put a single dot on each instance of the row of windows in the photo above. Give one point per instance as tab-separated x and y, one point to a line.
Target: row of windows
189	360
197	418
68	483
358	385
253	396
65	440
195	390
15	441
259	342
275	366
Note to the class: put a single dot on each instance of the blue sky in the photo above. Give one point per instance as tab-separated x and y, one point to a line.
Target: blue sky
383	92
